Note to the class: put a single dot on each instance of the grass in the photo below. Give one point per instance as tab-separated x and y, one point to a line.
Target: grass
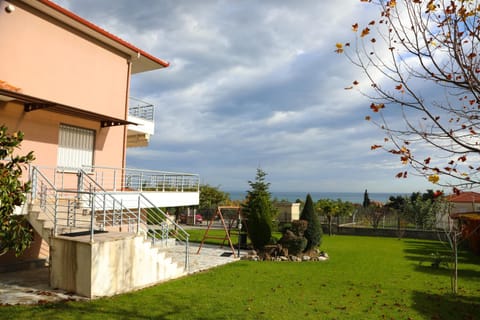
216	236
365	278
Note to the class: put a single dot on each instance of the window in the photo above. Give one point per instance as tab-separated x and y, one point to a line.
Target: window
75	147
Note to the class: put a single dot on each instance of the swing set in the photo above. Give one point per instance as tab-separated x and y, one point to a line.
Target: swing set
228	215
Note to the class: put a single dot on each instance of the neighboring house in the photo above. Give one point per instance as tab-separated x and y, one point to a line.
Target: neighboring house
287	211
457	203
465	208
464	202
65	83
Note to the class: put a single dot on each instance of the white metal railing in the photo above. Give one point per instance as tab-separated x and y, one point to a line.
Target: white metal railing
125	179
161	227
141	109
89	208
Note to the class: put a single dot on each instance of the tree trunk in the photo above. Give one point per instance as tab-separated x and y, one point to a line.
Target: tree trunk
329	218
455	265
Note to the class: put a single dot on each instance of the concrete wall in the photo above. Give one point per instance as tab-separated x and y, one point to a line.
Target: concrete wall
109	267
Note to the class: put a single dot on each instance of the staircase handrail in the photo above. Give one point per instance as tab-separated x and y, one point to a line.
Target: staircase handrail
108	194
180	233
164	221
94	200
51	214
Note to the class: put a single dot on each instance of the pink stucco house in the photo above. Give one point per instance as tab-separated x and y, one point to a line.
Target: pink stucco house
65	83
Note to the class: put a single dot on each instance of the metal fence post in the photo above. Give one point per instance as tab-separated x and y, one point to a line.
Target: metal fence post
34	179
187	258
139	214
92	217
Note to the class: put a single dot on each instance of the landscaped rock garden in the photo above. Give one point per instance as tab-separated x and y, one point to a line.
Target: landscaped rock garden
291	247
279	253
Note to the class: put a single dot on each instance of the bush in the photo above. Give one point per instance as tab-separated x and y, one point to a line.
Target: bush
299	227
294	243
293	238
314	232
15	232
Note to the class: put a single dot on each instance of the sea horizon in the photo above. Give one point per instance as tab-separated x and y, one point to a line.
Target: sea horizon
292	196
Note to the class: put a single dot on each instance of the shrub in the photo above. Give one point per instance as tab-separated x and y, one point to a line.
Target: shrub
294	243
299	227
15	231
313	233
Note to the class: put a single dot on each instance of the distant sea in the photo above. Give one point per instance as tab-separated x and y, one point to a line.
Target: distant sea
354	197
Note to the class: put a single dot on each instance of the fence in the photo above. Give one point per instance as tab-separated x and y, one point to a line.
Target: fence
388	226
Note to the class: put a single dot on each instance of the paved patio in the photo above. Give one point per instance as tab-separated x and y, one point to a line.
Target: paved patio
31	286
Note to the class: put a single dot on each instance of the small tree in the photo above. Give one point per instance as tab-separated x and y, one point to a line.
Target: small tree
366	199
15	231
421	211
331	209
327	208
421	63
374	213
259	211
314	233
212	197
419	208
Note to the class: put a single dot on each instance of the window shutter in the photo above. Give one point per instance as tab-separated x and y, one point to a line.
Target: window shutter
75	147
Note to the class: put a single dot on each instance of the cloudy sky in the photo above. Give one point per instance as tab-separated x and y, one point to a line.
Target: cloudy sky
253	84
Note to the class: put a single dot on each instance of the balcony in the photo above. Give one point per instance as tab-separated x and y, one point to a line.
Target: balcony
163	189
141	113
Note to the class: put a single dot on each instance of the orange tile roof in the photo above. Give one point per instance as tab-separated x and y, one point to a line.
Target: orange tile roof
465	197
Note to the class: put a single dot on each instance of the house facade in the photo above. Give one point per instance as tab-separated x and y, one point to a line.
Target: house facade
65	83
465	208
287	211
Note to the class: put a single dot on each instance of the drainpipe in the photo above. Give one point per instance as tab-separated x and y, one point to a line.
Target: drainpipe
125	130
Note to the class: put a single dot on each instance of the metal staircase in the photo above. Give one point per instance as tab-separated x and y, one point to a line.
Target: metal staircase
88	209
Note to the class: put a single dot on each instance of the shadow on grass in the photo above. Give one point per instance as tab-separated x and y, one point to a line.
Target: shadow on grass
421	251
129	306
447	306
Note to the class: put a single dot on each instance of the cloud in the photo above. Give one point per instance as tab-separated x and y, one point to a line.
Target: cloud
251	83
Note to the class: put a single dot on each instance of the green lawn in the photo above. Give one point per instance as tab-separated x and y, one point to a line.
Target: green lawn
365	278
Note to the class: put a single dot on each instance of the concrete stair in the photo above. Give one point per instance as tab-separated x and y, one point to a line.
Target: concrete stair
43	223
168	264
150	263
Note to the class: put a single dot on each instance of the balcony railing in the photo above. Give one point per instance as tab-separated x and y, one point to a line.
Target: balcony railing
124	179
141	109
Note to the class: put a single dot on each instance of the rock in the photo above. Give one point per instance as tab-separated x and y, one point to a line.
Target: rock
283	258
306	258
